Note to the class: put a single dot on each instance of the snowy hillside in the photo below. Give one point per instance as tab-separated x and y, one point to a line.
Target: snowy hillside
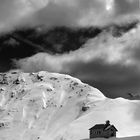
51	106
122	113
41	105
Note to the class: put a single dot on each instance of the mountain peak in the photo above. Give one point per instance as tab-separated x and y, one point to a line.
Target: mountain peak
40	105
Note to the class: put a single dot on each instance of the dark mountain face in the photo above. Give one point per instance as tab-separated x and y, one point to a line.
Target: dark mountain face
26	42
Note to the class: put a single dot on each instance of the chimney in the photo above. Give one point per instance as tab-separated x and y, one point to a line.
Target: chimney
107	123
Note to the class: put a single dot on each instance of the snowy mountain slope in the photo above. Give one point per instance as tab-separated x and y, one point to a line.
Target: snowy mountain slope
124	114
51	106
40	105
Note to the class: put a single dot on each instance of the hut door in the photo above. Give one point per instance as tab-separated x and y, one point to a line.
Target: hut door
112	134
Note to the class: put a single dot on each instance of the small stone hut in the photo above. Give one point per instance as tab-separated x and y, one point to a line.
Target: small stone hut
103	130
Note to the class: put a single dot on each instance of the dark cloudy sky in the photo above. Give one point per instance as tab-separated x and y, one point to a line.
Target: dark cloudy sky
64	12
108	63
112	66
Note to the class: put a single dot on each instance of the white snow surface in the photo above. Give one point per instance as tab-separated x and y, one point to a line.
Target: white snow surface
52	106
127	138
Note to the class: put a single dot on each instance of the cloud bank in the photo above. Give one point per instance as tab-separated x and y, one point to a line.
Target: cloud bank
17	13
